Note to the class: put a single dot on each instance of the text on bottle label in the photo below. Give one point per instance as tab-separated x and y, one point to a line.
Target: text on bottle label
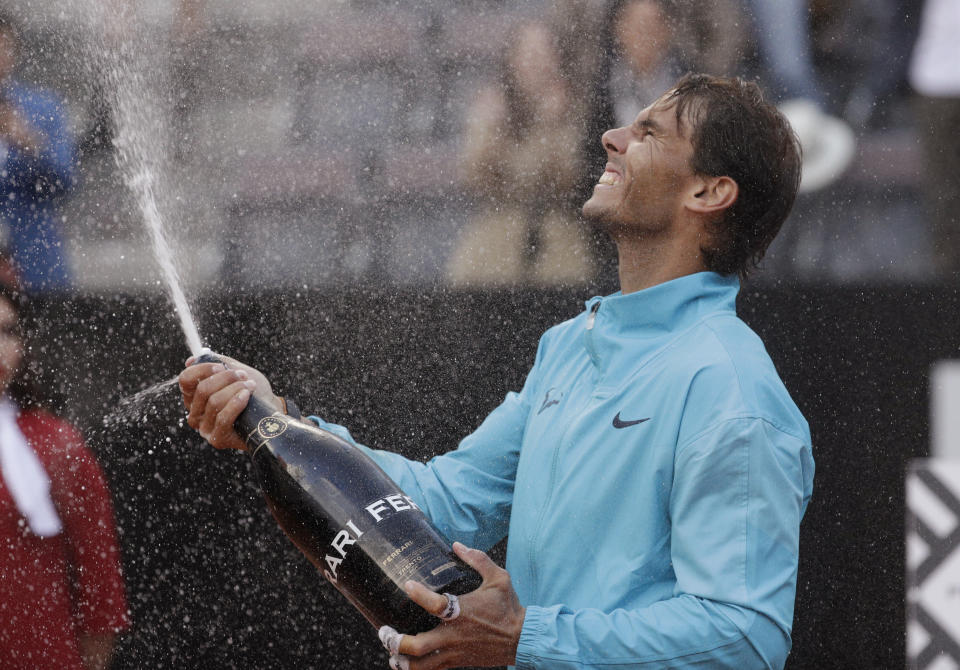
379	510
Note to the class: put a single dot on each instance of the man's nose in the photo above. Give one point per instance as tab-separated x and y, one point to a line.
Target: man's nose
614	140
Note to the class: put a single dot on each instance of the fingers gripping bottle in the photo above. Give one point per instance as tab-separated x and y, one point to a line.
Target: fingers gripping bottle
349	518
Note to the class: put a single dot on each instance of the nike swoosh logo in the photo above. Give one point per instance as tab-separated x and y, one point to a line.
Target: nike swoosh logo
617	423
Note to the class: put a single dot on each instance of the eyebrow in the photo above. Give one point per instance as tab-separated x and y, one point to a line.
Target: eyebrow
648	124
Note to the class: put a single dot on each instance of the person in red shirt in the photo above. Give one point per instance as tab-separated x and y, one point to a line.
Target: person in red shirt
62	594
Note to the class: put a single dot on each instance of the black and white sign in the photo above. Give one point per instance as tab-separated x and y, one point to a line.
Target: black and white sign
933	564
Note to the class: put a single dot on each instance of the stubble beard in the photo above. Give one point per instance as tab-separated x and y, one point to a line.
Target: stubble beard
606	221
599	218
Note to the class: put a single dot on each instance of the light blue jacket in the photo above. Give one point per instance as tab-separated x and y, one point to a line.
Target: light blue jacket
651	476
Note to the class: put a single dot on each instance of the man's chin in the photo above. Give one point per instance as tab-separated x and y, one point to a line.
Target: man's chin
596	215
592	211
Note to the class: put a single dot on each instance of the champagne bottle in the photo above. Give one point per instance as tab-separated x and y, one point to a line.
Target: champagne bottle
349	517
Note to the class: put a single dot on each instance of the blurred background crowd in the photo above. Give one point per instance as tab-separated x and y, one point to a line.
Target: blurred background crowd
428	141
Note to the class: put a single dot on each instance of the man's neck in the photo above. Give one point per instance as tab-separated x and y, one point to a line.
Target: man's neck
648	261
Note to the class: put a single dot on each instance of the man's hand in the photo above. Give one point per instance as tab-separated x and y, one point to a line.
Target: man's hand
486	632
216	393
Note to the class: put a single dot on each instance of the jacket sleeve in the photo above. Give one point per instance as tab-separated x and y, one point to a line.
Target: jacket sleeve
467	493
740	489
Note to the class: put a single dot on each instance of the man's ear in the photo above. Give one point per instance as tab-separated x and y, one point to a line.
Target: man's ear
712	195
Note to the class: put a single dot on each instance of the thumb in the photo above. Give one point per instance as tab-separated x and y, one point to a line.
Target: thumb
476	559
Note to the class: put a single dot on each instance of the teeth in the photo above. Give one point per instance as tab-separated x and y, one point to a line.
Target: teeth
609	178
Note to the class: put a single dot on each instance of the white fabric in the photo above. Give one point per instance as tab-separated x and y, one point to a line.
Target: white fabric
24	475
453	608
933	68
390	639
391	642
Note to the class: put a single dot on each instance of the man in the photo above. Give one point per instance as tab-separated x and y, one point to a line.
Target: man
652	473
37	164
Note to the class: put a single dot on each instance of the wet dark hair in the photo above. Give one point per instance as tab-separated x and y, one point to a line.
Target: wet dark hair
14	295
736	133
669	9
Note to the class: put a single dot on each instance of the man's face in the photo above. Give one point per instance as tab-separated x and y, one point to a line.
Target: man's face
8	53
647	174
534	60
11	346
644	35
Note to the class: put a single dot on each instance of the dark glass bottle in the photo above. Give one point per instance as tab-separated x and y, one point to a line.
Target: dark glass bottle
349	518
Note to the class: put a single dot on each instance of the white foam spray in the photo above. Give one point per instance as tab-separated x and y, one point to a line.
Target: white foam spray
131	407
122	53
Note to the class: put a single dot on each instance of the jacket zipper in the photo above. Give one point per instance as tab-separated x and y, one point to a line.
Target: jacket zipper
535	541
588	333
592	317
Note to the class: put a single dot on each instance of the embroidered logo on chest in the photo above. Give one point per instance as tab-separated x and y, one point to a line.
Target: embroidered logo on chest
551	398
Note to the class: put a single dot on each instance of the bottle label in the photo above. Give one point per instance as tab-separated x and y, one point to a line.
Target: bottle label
401	563
271	426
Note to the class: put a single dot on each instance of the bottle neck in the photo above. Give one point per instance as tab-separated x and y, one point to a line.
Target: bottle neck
248	424
249	420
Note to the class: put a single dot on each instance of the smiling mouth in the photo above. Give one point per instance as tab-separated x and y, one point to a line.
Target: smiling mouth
609	178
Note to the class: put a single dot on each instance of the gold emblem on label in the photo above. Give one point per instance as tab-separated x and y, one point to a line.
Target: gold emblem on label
271	426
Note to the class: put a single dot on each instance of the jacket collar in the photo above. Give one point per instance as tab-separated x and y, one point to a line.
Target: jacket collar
638	323
671	305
